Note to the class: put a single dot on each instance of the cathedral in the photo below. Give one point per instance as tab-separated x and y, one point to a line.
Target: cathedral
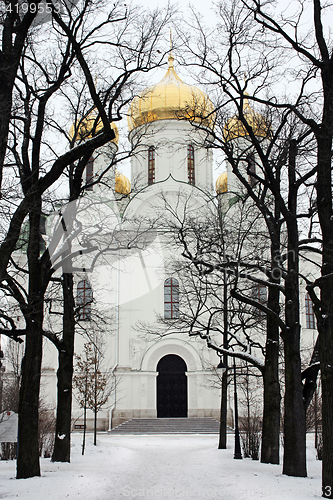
120	292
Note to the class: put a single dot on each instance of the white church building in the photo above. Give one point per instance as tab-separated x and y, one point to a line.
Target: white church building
123	290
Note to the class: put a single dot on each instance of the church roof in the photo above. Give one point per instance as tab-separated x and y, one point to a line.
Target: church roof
234	128
221	185
171	99
122	184
83	129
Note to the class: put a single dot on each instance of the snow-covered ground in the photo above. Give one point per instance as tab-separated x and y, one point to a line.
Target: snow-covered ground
159	468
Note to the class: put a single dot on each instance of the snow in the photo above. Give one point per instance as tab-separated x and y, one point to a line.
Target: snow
160	468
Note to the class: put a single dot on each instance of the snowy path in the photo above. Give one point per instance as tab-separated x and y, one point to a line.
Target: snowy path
159	468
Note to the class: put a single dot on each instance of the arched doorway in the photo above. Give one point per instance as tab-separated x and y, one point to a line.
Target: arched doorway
171	387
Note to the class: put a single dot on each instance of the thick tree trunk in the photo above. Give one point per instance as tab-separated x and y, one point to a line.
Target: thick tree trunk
28	449
13	41
294	460
271	415
326	366
61	452
325	322
270	445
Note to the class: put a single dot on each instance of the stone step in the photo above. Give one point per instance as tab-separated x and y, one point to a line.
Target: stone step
198	425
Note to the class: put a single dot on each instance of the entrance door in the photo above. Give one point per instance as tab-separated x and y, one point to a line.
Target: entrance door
171	387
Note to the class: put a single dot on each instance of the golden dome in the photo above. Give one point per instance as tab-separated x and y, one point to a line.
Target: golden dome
221	185
86	125
234	128
171	99
122	184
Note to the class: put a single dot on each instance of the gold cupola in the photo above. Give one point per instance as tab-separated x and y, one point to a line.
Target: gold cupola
122	184
85	127
221	185
234	128
171	99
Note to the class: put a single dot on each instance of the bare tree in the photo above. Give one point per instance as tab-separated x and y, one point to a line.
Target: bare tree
93	381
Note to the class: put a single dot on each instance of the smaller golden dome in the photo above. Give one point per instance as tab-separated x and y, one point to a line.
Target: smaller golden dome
221	185
86	125
234	128
122	184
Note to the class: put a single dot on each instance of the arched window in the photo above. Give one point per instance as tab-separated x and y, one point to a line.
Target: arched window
171	298
190	165
151	165
90	174
251	169
259	294
84	300
309	313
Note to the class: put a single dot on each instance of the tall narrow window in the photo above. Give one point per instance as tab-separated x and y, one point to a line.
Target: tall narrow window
259	293
90	174
171	298
84	300
251	169
151	165
309	313
190	165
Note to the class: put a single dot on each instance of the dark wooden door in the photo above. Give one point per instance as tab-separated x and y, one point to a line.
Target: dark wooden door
171	387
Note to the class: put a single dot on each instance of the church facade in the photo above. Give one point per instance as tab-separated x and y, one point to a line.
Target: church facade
127	290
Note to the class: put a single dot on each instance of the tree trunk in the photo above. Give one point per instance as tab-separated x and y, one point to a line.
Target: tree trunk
28	449
238	451
326	364
325	323
85	415
270	445
271	415
95	399
95	427
294	460
224	394
13	41
61	452
325	328
223	414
